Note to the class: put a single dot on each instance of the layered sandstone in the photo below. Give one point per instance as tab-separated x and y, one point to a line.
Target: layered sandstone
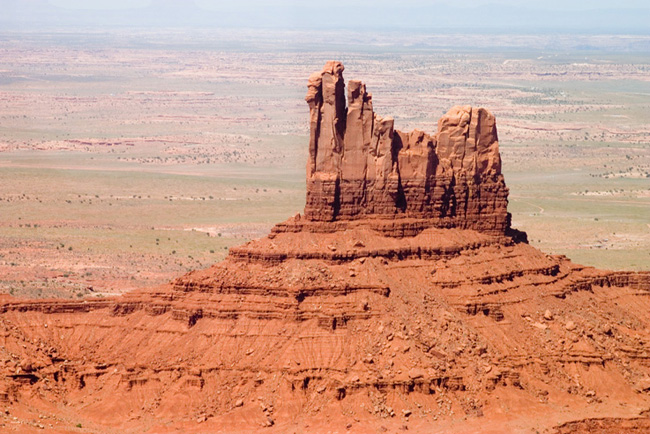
361	167
399	301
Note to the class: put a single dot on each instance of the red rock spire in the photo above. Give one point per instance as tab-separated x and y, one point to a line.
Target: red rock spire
360	167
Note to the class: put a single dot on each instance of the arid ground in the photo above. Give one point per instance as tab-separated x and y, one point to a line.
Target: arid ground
129	158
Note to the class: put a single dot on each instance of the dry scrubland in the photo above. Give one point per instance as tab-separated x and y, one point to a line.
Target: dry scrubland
129	158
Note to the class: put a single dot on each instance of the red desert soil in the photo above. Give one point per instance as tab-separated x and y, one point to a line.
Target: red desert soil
400	300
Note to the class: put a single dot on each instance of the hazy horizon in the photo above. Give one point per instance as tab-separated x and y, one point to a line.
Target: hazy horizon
471	16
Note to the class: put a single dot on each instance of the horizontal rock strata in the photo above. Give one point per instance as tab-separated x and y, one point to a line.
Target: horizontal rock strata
401	299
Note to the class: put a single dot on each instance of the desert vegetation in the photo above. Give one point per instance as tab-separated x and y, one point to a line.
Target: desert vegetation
137	156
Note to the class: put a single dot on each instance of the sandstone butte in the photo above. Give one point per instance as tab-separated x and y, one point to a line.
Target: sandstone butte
400	299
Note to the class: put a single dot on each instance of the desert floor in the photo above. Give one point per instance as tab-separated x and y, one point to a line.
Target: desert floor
128	158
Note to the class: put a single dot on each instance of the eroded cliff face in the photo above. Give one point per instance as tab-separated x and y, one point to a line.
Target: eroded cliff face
400	300
361	167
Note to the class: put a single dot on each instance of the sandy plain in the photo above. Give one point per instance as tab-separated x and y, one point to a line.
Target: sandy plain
129	158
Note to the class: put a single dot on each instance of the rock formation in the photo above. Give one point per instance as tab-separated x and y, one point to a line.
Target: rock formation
399	300
361	167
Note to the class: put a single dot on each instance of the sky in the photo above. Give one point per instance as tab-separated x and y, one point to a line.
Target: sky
242	4
594	16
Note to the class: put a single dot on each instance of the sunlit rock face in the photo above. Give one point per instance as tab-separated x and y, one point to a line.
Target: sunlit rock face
360	166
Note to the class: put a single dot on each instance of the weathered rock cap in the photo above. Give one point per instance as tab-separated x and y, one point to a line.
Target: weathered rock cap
360	167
